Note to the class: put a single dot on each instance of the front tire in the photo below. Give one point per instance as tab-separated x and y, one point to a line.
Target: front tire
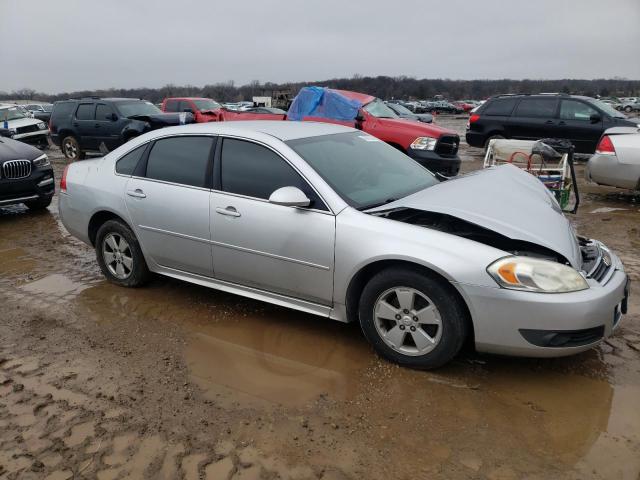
412	318
120	256
40	204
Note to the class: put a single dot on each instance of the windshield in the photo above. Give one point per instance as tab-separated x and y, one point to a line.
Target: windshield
401	109
606	108
364	171
13	113
206	104
131	109
48	108
379	109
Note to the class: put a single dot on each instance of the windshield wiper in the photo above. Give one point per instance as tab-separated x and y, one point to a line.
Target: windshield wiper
379	204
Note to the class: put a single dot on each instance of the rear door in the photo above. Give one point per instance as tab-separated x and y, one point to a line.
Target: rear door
576	123
169	203
535	118
85	124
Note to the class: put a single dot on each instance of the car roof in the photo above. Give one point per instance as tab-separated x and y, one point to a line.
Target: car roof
282	129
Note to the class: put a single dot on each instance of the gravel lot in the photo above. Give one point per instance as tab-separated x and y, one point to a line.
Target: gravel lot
175	381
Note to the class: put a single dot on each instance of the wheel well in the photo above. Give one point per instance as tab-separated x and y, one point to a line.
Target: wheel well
360	279
66	133
98	219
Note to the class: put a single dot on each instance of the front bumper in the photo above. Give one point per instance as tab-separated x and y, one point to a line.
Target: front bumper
519	323
33	138
448	166
39	185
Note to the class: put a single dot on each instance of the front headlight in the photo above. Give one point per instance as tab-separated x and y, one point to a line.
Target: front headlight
42	161
12	132
42	125
534	275
424	143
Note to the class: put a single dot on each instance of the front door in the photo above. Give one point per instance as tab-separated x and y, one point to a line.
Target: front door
580	123
281	249
170	205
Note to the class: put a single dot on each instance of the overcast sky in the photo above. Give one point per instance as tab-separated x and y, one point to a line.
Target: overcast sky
66	45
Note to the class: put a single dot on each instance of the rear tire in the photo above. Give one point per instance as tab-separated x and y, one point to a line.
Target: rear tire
120	256
71	148
492	137
412	318
40	204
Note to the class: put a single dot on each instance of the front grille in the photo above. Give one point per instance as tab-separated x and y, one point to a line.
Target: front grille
596	261
27	129
14	169
447	145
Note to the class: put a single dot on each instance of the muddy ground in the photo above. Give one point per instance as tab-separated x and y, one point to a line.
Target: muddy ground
175	381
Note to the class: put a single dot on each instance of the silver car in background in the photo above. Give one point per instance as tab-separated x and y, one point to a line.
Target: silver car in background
617	159
331	221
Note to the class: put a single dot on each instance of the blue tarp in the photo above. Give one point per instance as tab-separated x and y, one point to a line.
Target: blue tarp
324	103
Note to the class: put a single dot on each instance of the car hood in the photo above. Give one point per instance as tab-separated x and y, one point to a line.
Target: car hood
21	122
504	199
415	129
14	150
165	119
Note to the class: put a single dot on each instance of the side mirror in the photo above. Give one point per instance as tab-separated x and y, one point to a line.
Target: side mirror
111	116
289	197
595	118
359	117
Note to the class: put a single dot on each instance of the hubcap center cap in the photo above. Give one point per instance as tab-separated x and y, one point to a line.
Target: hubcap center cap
407	320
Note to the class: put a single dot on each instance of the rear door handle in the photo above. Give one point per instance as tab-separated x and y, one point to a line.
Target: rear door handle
137	193
549	122
229	211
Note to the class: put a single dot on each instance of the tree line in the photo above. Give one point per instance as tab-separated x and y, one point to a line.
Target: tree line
381	86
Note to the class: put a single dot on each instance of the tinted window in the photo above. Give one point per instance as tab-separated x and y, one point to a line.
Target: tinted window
103	111
537	107
255	171
184	105
86	111
499	107
127	164
180	160
171	106
62	108
574	110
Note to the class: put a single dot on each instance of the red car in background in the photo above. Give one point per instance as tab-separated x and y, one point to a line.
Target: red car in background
467	107
208	110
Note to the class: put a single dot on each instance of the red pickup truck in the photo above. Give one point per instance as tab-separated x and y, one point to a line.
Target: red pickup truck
430	145
207	110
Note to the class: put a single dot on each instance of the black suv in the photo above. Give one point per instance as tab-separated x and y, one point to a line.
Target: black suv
582	120
103	124
26	175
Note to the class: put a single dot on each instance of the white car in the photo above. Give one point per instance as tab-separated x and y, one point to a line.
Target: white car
17	125
617	159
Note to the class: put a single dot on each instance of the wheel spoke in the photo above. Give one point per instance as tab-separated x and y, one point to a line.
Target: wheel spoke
120	270
405	298
127	262
111	242
428	316
395	336
123	245
386	311
109	257
421	339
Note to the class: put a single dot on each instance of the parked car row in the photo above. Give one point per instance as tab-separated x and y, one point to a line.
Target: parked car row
16	123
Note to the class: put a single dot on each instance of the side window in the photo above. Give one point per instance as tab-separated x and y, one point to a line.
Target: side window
171	106
182	160
184	105
103	112
128	163
86	111
537	107
574	110
255	171
500	107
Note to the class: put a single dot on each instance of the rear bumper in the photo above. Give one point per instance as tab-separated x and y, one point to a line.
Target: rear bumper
449	166
530	324
475	139
607	170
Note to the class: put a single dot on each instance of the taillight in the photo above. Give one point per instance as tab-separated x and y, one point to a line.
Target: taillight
605	146
63	180
474	118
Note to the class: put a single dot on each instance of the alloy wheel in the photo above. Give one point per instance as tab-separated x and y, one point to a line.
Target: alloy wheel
70	149
117	255
407	321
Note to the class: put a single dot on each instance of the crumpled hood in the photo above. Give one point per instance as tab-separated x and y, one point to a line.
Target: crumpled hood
165	119
20	122
504	199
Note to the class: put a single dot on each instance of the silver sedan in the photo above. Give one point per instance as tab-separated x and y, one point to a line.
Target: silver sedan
331	221
617	159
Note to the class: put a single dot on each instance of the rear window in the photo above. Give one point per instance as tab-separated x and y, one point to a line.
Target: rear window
86	111
537	107
499	107
127	164
62	109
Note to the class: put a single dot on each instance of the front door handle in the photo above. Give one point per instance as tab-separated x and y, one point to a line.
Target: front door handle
137	193
549	122
229	211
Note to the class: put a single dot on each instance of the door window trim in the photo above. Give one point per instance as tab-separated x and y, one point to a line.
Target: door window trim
217	186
